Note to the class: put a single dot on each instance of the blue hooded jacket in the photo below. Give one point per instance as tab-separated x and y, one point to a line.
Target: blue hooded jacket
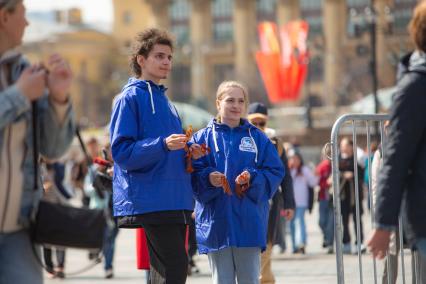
228	221
147	176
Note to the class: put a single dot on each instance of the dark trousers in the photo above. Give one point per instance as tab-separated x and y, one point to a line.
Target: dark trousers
348	210
168	258
60	258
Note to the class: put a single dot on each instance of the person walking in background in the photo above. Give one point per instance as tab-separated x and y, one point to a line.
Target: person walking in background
347	193
283	199
54	191
98	187
326	215
151	187
403	175
232	188
22	85
303	180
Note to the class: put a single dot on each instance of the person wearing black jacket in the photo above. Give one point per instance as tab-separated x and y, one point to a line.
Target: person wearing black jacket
403	176
284	198
347	192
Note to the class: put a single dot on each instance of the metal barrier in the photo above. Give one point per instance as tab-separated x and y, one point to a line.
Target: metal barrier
369	121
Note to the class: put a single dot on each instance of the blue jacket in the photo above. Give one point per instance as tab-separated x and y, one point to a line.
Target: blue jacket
225	221
147	176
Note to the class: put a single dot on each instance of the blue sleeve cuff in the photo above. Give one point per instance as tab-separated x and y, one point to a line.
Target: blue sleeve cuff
165	145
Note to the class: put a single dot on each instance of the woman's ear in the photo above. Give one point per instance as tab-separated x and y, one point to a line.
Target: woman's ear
218	105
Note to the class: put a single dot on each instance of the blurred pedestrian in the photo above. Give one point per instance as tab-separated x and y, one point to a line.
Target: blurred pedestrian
21	85
403	176
304	181
283	199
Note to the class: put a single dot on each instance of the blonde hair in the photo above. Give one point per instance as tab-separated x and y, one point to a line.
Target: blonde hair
226	85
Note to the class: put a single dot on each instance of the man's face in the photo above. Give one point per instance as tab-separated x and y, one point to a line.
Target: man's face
346	149
13	24
158	64
259	122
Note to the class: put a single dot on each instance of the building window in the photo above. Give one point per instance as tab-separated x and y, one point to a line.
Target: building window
402	12
181	83
357	3
266	10
127	17
222	20
179	14
311	12
222	73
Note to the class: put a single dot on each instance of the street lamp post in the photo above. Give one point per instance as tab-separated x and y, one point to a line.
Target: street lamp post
371	19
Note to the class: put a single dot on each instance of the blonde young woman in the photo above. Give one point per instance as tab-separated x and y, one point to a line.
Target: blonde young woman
231	228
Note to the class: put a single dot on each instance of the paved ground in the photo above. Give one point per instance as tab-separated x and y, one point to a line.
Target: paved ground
314	267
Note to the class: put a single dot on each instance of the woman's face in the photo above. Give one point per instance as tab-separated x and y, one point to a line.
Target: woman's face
13	24
294	162
232	106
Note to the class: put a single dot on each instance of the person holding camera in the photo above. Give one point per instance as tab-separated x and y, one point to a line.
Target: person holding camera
21	86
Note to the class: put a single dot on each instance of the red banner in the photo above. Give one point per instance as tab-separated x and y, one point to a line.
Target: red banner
283	62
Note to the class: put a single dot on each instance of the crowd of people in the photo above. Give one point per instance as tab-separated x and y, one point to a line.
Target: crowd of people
233	181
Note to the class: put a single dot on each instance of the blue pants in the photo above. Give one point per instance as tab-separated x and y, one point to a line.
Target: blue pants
18	264
230	264
109	245
326	221
297	225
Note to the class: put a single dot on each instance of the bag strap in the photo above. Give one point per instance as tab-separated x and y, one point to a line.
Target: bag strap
83	147
34	114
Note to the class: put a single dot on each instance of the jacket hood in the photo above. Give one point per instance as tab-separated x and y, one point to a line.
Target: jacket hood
148	86
412	62
244	125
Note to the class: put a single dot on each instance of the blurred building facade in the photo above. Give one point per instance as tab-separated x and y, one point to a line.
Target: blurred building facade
217	40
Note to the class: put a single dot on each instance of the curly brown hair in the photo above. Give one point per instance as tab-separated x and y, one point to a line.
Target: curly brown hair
143	44
417	26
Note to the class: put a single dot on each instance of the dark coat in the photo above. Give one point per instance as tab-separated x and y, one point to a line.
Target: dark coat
283	198
404	170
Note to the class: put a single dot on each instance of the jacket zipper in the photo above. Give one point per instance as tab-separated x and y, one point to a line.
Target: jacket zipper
9	169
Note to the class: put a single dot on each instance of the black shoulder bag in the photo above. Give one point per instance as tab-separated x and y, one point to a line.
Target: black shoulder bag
61	225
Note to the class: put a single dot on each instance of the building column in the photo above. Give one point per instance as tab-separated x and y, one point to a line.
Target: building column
245	42
160	13
287	10
334	18
385	71
200	31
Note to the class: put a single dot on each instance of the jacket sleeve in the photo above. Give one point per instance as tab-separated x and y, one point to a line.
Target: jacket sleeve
127	151
57	128
204	191
287	185
12	105
407	126
268	173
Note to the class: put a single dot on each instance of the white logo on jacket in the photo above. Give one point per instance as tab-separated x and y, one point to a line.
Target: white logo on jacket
247	145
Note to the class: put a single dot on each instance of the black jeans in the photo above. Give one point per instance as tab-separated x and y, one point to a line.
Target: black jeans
168	257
